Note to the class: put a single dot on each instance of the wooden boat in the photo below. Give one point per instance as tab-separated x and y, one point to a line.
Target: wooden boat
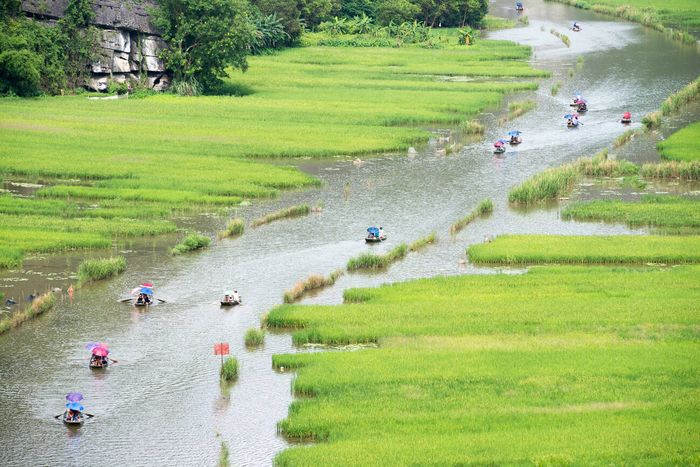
230	302
626	120
517	140
75	421
98	366
572	124
582	107
373	239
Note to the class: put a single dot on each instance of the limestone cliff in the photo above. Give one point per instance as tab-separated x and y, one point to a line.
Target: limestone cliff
129	44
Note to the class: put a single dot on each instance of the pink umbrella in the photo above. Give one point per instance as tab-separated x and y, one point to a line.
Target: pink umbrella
100	351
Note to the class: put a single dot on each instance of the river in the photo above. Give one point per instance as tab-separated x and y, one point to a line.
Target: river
162	404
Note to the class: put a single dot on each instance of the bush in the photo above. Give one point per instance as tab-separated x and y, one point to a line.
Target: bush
229	370
19	73
117	88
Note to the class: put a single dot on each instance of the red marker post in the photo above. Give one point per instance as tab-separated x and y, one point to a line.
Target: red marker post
221	348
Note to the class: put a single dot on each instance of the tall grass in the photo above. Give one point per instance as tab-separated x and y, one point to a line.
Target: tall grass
621	249
683	170
224	455
683	145
422	242
193	241
518	108
313	282
39	306
292	211
234	228
677	100
472	127
624	138
555	88
254	337
563	37
484	208
371	260
229	370
652	120
98	269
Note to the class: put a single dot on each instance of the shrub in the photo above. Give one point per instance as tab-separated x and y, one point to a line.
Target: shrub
19	73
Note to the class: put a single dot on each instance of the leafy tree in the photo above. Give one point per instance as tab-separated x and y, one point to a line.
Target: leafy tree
78	40
396	11
316	11
9	8
288	14
19	72
204	38
353	8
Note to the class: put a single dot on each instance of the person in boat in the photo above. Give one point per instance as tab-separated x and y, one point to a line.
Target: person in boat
236	296
381	232
626	117
576	26
96	361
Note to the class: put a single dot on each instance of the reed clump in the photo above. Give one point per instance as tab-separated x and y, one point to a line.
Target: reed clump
484	208
371	260
652	120
472	127
254	337
98	269
292	211
234	228
39	306
683	170
624	138
313	282
192	242
555	88
224	455
518	108
422	242
677	100
563	37
229	370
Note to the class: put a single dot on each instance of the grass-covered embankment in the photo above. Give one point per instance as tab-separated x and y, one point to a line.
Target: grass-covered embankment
302	102
683	145
597	366
98	269
669	212
484	208
678	18
618	249
286	213
39	306
370	260
313	282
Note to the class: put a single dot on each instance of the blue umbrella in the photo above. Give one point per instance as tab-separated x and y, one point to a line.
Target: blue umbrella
567	116
76	406
514	133
74	397
147	290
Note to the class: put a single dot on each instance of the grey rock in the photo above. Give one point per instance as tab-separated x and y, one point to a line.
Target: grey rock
153	64
120	62
98	83
116	40
152	45
103	63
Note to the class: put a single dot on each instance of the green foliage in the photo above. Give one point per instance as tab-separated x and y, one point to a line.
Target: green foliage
229	370
654	211
269	34
19	73
224	455
547	368
472	127
190	243
117	88
98	269
683	145
292	211
371	260
492	23
466	36
254	337
621	249
204	38
422	242
395	11
234	228
313	282
683	170
484	208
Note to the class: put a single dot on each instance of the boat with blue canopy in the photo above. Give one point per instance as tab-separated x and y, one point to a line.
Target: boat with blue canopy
515	137
375	234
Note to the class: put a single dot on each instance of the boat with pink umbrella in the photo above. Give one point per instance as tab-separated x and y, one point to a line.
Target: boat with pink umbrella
100	352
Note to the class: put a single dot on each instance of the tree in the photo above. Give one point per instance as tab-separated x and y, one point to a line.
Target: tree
353	8
204	37
19	72
287	12
315	12
396	11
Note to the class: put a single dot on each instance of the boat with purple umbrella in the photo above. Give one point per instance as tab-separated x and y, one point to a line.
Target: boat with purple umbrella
73	414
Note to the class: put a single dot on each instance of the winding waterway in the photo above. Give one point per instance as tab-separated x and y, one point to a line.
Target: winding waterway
162	404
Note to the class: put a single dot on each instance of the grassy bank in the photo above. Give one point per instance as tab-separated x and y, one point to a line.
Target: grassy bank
98	269
679	19
369	260
654	211
191	242
292	211
682	170
301	102
313	282
683	145
468	372
620	249
484	208
39	306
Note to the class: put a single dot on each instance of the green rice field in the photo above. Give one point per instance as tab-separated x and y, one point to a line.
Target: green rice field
651	210
134	158
683	145
562	365
618	249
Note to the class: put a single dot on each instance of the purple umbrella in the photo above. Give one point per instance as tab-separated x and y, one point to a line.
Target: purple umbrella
74	397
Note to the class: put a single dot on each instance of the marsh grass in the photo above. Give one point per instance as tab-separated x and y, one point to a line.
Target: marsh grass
563	37
290	212
98	269
39	306
555	88
621	249
472	127
369	260
229	370
683	145
652	120
254	337
492	23
192	242
484	208
234	228
224	455
624	138
682	170
313	282
422	242
518	108
670	212
675	101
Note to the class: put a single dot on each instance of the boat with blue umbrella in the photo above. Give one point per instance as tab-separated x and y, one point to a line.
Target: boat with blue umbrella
144	294
572	120
375	235
515	137
73	414
519	6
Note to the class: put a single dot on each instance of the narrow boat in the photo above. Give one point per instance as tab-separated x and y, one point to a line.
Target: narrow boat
231	298
97	364
76	420
375	235
499	147
626	118
515	137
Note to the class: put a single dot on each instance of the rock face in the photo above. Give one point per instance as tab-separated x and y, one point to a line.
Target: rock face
129	45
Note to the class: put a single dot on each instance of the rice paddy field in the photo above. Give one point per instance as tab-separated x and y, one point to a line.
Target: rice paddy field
597	366
134	158
620	249
683	145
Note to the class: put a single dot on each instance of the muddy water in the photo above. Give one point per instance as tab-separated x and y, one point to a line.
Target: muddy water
162	403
